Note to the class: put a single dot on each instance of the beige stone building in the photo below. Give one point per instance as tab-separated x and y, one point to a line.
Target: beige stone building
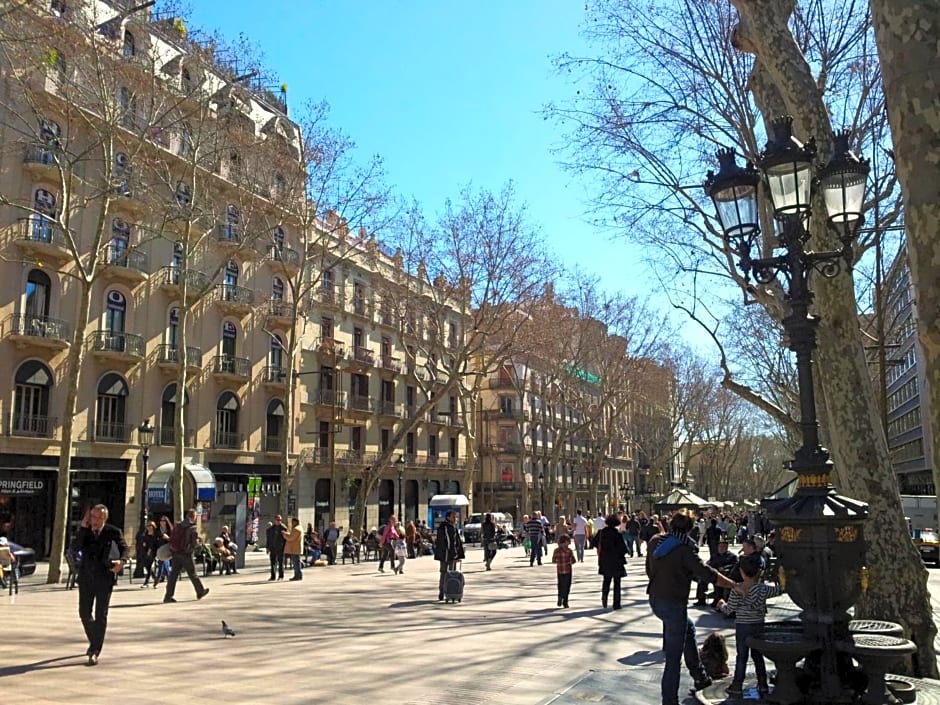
146	186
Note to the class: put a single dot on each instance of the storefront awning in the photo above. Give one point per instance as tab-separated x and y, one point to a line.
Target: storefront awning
162	479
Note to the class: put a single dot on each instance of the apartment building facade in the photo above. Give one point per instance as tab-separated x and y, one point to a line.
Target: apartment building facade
909	438
140	170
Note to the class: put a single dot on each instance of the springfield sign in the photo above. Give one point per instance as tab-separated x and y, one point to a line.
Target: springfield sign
21	487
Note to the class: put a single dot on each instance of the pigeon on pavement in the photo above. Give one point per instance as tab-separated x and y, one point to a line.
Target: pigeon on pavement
227	630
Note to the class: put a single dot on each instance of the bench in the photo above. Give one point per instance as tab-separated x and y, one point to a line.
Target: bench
351	552
371	548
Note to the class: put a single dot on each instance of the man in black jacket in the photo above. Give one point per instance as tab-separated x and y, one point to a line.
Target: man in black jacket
103	552
671	564
275	546
448	548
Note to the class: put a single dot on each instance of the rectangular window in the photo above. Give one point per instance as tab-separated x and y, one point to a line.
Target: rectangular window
358	337
324	435
432	446
385	440
453	446
411	396
388	391
355	438
410	444
326	328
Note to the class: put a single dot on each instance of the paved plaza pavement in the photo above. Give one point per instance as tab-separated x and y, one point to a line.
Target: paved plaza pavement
345	635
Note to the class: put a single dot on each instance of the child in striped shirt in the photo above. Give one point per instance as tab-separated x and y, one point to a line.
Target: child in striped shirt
749	607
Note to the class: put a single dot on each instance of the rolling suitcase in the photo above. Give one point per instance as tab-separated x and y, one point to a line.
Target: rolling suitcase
453	585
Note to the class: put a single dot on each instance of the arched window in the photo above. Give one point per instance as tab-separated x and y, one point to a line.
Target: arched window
168	413
186	141
116	313
44	202
130	46
120	238
31	400
183	196
279	238
177	261
121	178
274	422
276	354
126	107
230	282
173	328
229	336
232	218
277	289
110	423
226	422
38	289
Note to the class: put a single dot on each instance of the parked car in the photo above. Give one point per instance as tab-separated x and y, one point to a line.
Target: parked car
25	558
928	543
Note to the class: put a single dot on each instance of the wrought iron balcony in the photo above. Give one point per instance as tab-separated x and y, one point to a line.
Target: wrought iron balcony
133	262
229	366
41	154
196	282
328	397
359	403
230	293
388	408
363	356
111	432
32	425
274	374
37	329
284	255
117	343
273	444
227	440
166	436
169	354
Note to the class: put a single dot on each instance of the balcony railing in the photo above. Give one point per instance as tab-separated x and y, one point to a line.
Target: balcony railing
236	294
111	432
40	153
286	255
350	457
228	234
229	365
387	408
279	308
41	230
501	382
168	353
456	462
273	444
328	397
326	295
117	342
274	374
128	259
32	425
37	327
387	362
227	440
359	403
195	281
363	355
123	183
166	436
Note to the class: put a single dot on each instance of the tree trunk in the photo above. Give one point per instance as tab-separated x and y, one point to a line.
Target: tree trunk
63	484
906	34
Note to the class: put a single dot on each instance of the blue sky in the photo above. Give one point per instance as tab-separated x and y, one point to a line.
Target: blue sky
447	93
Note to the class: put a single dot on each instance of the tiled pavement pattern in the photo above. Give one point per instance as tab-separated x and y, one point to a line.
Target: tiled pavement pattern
345	635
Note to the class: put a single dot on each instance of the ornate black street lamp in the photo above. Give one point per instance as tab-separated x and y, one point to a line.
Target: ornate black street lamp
541	492
144	439
819	546
401	471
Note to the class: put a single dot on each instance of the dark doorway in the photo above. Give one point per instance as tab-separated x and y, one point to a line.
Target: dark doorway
321	504
386	500
411	501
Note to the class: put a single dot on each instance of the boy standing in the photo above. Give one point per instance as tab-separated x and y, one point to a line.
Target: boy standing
563	559
749	609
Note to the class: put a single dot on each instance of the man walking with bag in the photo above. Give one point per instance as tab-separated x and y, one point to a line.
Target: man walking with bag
448	548
103	552
183	540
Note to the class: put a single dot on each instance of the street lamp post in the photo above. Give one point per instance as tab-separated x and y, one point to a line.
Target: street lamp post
541	492
401	471
820	544
144	440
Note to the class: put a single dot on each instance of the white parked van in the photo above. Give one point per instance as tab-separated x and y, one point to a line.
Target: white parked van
471	530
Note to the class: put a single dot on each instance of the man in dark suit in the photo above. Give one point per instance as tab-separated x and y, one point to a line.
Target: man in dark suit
103	552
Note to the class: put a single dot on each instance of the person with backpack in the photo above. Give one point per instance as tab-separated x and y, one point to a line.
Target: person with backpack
183	541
